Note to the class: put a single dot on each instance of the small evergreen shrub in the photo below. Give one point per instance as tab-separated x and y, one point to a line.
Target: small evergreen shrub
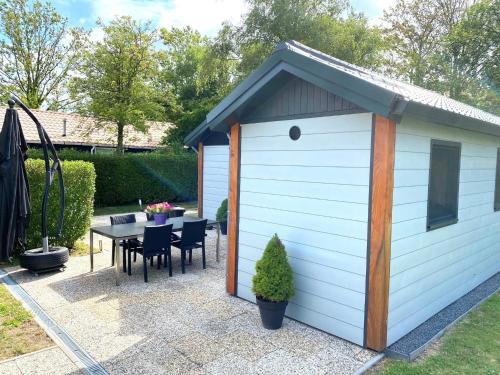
221	214
273	280
151	176
79	182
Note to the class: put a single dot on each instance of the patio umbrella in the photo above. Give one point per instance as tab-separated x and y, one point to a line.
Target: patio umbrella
14	188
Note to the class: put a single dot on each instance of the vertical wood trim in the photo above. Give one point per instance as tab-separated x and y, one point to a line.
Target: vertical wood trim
234	197
200	179
379	251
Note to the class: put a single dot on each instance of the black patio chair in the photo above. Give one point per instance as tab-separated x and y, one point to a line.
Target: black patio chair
132	243
156	242
193	237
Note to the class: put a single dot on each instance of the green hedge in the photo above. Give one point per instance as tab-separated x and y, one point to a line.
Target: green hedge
79	182
153	177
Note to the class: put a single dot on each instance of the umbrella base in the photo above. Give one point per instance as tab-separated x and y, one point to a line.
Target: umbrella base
46	270
36	261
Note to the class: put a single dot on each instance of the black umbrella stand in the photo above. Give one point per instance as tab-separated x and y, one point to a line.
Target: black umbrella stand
46	258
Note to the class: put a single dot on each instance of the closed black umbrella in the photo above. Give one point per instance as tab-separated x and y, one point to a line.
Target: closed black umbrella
14	188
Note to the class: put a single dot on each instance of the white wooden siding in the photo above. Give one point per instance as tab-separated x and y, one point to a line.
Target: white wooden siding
429	270
313	193
215	178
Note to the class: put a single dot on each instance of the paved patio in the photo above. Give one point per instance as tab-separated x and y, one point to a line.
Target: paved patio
178	325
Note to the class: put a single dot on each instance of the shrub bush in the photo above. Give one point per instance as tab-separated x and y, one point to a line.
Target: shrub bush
273	280
221	214
79	181
153	176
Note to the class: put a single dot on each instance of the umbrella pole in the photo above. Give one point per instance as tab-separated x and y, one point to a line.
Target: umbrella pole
50	172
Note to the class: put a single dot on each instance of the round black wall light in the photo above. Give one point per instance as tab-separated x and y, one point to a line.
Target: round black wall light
294	133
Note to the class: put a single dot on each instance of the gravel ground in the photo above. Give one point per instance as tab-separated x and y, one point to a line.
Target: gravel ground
421	335
183	324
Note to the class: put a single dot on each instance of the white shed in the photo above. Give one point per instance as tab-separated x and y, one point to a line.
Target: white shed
384	194
213	183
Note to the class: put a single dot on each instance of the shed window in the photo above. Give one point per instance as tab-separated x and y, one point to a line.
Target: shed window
497	183
442	204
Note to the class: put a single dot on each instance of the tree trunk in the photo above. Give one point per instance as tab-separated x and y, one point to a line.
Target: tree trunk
119	141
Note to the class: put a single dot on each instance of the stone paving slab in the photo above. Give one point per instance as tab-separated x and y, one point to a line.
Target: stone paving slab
180	324
50	361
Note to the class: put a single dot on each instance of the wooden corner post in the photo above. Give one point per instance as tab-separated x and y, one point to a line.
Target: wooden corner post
200	179
379	241
234	192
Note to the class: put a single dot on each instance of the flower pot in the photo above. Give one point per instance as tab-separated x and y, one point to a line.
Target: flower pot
160	219
271	313
223	227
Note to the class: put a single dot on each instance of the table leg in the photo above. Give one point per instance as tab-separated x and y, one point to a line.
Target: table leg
117	262
217	246
91	250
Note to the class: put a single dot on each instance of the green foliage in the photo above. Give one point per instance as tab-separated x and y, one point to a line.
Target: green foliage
327	25
448	47
153	177
37	50
115	84
79	182
221	214
273	280
195	76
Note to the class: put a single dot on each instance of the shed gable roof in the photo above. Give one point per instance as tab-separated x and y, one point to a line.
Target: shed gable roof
375	92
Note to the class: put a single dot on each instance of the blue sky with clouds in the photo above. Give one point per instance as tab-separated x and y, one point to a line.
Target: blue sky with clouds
203	15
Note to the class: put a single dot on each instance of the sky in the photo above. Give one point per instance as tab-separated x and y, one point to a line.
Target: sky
206	16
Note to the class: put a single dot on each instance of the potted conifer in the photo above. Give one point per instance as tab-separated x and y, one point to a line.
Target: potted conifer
221	216
273	284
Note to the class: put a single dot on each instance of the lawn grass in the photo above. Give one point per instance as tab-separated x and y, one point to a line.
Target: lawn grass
115	210
19	333
471	347
81	248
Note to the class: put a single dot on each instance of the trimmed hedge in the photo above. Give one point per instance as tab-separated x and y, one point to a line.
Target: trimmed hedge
153	177
79	182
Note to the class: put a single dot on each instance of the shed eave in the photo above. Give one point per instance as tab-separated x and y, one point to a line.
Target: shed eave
440	116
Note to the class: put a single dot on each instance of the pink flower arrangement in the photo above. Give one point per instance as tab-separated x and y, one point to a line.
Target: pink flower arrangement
158	208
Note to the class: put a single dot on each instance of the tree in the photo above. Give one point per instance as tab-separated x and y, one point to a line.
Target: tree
415	29
327	25
471	52
448	46
115	82
37	52
195	74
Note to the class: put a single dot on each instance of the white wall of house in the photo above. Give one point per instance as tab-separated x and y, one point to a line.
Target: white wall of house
429	270
215	178
313	193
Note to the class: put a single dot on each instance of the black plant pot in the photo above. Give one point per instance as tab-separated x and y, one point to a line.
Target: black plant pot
271	313
223	227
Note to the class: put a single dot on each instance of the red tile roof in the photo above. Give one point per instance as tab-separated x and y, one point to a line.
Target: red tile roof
83	131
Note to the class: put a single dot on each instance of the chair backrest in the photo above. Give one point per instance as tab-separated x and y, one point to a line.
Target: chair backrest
156	238
193	232
149	217
122	219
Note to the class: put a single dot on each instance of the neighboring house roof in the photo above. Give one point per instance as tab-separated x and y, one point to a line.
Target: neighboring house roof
83	131
370	90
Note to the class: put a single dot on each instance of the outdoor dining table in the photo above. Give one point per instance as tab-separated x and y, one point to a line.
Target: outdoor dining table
120	232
